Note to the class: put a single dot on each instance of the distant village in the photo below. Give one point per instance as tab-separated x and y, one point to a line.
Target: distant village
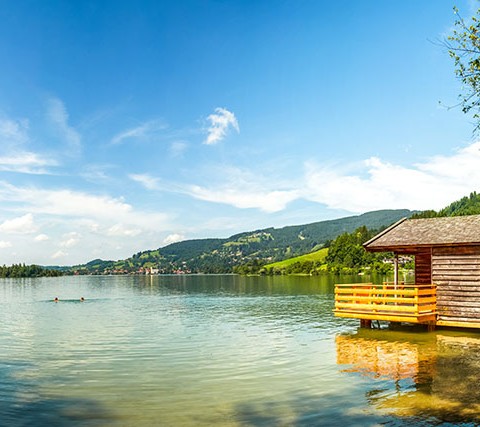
147	271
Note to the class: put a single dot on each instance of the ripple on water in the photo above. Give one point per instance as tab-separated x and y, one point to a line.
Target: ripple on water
177	351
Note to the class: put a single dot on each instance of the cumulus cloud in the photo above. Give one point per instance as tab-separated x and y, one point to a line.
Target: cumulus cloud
220	122
173	238
144	131
41	238
70	240
377	184
21	225
57	113
370	184
149	182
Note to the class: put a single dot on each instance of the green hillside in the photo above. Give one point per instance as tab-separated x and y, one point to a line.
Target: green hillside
316	256
310	263
254	247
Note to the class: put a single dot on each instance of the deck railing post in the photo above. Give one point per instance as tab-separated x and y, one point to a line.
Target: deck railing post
395	271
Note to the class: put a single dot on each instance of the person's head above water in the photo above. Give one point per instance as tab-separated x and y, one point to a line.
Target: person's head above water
82	299
56	299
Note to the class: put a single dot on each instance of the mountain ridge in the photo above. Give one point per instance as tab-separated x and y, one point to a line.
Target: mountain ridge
220	255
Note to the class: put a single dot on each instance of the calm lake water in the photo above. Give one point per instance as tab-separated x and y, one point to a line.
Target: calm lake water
220	351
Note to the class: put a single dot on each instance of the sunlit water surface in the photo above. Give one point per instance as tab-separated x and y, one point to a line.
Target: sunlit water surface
220	350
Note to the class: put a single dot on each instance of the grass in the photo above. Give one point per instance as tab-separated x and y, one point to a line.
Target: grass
312	256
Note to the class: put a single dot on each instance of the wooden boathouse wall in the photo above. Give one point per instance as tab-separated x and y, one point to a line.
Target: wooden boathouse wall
456	272
447	257
423	267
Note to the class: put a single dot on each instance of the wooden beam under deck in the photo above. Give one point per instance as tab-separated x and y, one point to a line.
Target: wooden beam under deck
449	323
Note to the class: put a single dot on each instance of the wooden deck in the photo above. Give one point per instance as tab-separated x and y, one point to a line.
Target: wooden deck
411	303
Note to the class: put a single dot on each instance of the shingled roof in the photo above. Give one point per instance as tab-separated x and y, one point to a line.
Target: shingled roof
411	233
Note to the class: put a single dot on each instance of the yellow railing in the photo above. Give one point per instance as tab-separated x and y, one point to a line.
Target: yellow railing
402	303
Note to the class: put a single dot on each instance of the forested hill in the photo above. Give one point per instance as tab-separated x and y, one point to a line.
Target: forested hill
468	205
267	245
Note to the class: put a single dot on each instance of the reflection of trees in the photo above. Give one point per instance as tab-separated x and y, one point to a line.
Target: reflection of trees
332	410
22	402
435	378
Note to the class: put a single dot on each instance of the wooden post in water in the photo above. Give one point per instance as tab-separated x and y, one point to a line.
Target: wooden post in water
365	323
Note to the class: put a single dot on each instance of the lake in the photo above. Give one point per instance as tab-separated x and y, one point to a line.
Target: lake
220	351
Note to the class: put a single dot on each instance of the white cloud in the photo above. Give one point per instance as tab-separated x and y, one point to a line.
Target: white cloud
149	182
88	224
41	238
59	254
96	173
146	130
94	210
220	122
57	113
70	240
21	225
173	238
267	201
15	157
13	132
177	148
4	244
244	189
371	184
71	203
26	162
432	184
122	230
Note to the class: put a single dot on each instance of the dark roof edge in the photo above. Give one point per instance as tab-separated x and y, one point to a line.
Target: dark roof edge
387	230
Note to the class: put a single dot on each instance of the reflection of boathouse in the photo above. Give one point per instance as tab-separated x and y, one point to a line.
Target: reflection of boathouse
432	375
383	359
446	291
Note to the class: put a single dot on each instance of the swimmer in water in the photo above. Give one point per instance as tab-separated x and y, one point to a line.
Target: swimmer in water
82	299
56	299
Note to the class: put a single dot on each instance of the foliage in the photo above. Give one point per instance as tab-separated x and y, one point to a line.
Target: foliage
344	255
464	48
346	252
468	205
22	270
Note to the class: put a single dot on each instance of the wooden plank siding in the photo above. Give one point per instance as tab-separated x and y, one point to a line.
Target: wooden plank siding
456	272
423	267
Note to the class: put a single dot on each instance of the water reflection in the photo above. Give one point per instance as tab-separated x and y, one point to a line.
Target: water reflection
423	378
219	350
22	402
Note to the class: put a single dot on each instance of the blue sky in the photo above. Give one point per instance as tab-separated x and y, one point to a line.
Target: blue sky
125	126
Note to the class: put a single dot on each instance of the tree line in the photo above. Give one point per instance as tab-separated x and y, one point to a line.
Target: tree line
346	254
22	270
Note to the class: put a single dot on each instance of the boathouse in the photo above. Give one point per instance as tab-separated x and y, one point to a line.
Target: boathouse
446	288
